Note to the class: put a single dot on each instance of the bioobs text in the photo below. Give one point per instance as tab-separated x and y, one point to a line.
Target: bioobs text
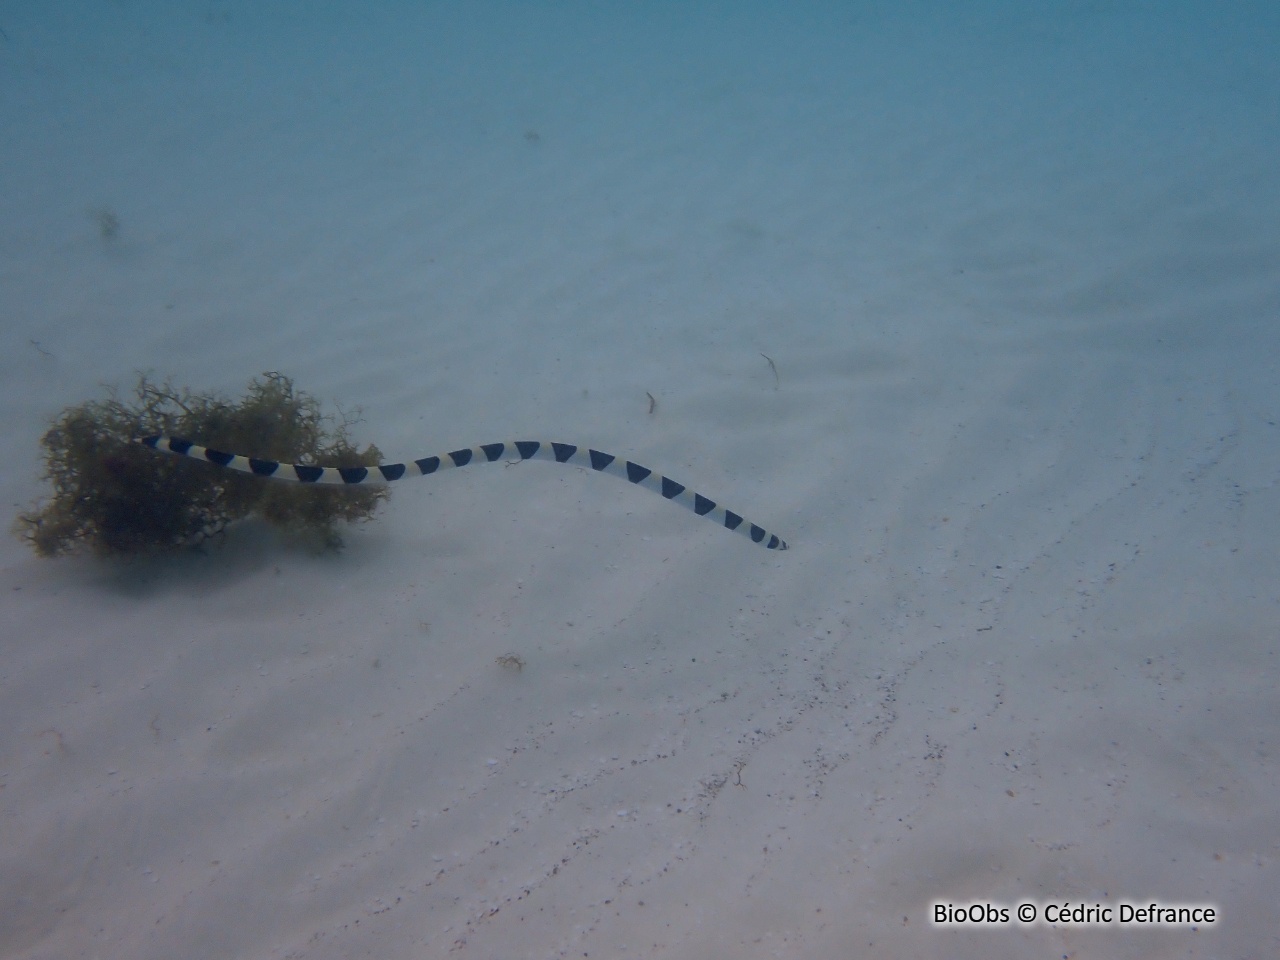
976	913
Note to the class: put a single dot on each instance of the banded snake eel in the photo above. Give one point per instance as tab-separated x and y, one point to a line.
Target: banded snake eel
566	453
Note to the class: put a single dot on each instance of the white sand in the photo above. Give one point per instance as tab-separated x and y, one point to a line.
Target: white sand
1019	278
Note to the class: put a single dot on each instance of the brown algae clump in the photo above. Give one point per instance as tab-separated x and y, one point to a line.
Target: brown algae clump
114	496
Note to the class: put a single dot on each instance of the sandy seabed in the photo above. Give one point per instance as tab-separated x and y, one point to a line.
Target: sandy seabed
1021	428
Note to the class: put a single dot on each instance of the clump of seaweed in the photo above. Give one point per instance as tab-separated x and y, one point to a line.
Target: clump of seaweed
114	496
108	222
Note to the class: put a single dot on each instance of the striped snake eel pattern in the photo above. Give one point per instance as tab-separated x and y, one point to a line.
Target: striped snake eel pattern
517	450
